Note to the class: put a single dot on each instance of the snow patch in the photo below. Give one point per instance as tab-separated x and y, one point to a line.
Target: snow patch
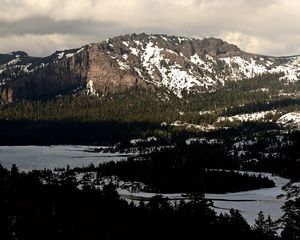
247	117
70	55
123	65
90	89
205	128
289	119
134	51
138	141
125	43
80	50
60	55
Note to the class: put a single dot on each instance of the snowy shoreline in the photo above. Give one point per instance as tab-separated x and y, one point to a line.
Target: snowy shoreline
249	203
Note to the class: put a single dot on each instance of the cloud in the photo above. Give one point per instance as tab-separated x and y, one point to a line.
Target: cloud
44	25
41	45
257	25
254	44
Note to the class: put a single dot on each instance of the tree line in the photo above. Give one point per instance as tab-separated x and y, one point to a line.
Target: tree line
32	210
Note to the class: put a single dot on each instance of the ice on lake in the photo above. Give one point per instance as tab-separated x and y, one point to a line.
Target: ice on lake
249	203
50	157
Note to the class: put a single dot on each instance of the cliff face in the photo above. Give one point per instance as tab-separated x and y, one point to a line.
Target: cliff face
56	78
60	73
148	61
106	75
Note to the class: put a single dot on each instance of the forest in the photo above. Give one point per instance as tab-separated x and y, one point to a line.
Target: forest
80	118
169	172
31	209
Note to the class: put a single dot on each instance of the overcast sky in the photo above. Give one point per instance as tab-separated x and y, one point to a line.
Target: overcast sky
40	27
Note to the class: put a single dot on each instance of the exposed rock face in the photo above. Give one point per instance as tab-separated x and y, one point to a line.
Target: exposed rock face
67	74
106	74
117	64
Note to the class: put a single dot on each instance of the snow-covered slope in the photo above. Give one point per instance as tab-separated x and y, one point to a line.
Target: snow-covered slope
291	119
184	65
14	64
248	117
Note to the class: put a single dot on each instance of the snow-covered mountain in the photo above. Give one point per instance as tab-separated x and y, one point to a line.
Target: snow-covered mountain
180	65
16	64
183	64
13	65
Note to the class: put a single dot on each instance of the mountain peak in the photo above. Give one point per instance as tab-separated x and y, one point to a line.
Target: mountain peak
19	53
212	46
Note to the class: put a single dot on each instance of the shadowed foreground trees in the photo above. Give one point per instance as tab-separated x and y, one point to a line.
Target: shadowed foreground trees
32	210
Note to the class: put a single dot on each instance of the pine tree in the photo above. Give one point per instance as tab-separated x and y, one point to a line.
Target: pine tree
291	220
265	228
260	223
271	227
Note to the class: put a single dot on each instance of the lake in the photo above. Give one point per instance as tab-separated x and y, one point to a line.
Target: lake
50	157
40	157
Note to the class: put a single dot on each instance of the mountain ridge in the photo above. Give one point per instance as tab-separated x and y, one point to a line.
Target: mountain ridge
178	64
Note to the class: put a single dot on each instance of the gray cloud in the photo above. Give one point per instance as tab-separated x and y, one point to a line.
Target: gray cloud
261	26
43	25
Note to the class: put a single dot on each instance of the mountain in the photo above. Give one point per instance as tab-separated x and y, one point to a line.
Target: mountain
177	64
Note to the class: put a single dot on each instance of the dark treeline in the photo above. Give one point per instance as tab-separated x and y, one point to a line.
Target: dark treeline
290	155
25	132
272	152
181	165
32	210
263	106
163	175
184	169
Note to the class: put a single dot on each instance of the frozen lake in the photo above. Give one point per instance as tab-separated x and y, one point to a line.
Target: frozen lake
249	203
50	157
40	157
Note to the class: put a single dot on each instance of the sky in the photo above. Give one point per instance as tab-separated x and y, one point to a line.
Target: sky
40	27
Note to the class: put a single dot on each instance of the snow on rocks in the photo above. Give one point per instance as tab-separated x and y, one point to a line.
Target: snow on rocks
242	68
90	89
60	55
191	125
292	190
291	119
205	112
174	77
202	141
247	117
163	63
68	55
243	143
134	51
195	140
148	140
123	65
